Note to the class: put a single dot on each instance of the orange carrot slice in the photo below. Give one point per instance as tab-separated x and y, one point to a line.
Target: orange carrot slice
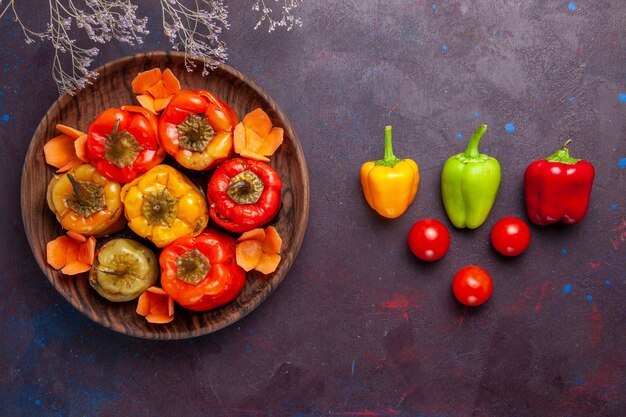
239	138
156	306
254	234
156	319
253	155
73	163
87	251
248	253
161	103
171	83
258	121
146	79
268	262
56	251
273	242
76	236
80	148
69	131
75	268
147	102
272	142
59	151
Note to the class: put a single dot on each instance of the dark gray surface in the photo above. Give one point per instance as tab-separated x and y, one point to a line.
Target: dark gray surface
360	327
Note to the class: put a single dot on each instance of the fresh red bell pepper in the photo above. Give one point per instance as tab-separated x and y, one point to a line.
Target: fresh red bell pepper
243	194
201	273
123	143
558	188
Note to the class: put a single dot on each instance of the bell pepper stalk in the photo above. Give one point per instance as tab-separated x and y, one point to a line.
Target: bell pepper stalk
163	204
243	194
123	143
86	202
469	184
196	128
558	188
389	184
200	273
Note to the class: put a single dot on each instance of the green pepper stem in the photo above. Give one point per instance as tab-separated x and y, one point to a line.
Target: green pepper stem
389	158
472	147
562	155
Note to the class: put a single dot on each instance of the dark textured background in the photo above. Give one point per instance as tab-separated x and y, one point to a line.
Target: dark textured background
360	327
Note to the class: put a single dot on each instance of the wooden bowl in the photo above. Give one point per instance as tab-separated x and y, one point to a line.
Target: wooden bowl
113	89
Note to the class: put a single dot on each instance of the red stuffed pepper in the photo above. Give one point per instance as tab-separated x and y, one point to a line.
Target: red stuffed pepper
558	188
123	143
201	273
243	194
196	128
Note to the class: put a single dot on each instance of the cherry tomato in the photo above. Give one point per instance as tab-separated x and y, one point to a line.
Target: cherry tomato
510	236
472	285
429	240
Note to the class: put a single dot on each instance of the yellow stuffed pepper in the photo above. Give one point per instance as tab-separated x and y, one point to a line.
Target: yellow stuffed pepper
163	205
85	202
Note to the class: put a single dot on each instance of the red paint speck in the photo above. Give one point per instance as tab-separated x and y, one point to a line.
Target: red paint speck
595	265
596	325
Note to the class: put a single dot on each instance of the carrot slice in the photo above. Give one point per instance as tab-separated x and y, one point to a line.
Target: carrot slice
268	262
258	121
75	268
147	102
161	103
59	150
80	148
69	131
76	236
248	253
273	242
239	138
143	303
254	234
87	252
171	83
72	163
56	251
272	141
146	79
253	141
158	90
156	290
156	319
253	155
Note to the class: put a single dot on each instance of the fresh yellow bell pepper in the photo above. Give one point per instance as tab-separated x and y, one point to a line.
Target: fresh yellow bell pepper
163	205
390	184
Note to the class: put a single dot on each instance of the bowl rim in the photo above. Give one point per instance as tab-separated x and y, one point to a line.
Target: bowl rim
259	297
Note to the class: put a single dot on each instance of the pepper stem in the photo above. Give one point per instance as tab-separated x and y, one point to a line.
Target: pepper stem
78	189
562	155
389	158
472	147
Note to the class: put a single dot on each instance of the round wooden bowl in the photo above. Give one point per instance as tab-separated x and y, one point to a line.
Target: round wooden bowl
112	88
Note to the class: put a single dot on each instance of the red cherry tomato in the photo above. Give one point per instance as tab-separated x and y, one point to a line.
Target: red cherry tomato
472	285
429	240
510	236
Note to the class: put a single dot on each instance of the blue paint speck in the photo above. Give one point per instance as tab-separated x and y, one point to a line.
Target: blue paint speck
509	128
622	163
477	115
570	99
563	251
607	282
567	288
6	117
444	48
459	136
572	6
37	402
353	368
434	6
613	206
622	97
589	298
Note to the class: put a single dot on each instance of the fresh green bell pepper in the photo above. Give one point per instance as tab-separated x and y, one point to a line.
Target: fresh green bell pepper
469	184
